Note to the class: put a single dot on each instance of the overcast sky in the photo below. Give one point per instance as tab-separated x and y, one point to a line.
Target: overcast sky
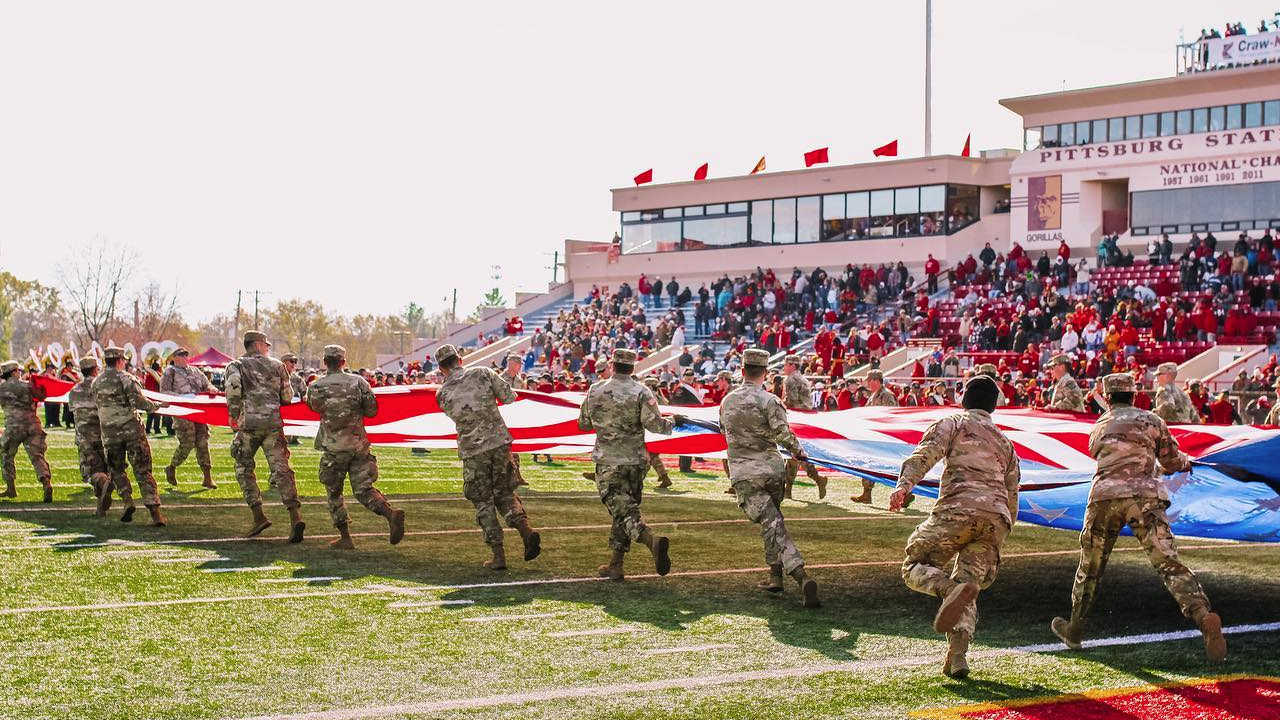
369	154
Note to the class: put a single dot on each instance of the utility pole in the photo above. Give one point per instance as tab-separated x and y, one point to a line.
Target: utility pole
453	313
928	78
256	324
235	333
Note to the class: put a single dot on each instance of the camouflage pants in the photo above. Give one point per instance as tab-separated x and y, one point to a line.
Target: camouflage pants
191	436
276	449
32	439
516	475
620	489
793	469
487	483
655	462
1103	521
131	449
761	500
363	470
972	537
93	457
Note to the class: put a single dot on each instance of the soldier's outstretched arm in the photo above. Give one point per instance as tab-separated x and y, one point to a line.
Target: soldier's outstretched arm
38	391
780	430
584	416
1170	457
651	417
233	386
501	390
312	402
1012	478
932	448
133	391
286	387
368	401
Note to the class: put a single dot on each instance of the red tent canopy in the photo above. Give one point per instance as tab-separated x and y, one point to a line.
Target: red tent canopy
211	358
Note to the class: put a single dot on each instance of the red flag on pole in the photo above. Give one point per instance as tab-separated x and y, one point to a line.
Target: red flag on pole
887	150
759	166
701	172
965	151
645	177
814	157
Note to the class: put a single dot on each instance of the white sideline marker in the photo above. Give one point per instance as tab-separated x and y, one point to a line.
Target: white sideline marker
687	649
141	552
429	604
317	578
504	618
29	529
702	681
190	559
591	633
240	505
259	568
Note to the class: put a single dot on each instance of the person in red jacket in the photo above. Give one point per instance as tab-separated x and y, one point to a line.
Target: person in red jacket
1064	252
931	269
1222	410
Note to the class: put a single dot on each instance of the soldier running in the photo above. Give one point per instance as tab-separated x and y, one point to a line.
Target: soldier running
797	395
977	503
18	399
619	410
879	397
754	424
84	410
343	400
470	397
182	379
1128	444
118	395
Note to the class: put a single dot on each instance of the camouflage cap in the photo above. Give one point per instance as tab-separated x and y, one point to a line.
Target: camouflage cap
88	363
255	336
755	357
625	356
336	352
688	372
8	366
445	352
1168	367
515	356
793	359
288	357
724	375
875	375
181	352
652	383
1118	383
112	353
1062	360
988	369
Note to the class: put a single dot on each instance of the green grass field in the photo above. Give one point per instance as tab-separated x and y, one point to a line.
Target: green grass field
211	626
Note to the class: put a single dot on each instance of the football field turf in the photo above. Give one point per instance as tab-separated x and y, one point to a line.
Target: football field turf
109	620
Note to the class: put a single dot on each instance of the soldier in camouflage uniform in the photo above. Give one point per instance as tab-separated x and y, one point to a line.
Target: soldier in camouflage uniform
299	386
619	410
1067	394
470	397
1129	444
93	457
22	428
879	397
256	386
343	400
1172	404
1273	417
118	395
655	460
991	371
511	376
797	395
182	379
977	504
754	424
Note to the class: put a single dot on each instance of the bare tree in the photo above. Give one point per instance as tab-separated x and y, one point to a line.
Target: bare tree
155	314
95	279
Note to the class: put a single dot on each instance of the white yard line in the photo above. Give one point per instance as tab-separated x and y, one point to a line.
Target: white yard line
188	601
28	529
591	633
191	559
316	578
259	568
703	681
687	649
141	552
429	604
506	618
88	509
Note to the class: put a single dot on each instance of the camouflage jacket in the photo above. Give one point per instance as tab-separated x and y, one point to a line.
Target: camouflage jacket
796	393
1128	443
514	382
343	401
982	471
754	424
257	385
882	398
18	399
620	409
1174	406
470	398
1273	417
1067	395
297	384
119	397
85	410
184	381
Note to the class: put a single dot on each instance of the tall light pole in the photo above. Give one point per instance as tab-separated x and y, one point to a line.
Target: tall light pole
928	77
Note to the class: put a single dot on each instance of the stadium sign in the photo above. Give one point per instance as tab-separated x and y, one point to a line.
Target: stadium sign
1250	140
1243	49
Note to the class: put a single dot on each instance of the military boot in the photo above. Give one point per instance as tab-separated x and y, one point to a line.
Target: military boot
208	478
344	541
775	581
808	587
865	497
1068	633
659	546
395	523
260	521
499	561
532	540
296	525
956	666
9	490
730	491
953	606
127	515
589	475
104	499
786	491
157	518
1215	645
48	490
818	480
664	481
171	475
613	570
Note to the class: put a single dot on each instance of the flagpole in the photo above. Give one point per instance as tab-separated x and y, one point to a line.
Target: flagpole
928	78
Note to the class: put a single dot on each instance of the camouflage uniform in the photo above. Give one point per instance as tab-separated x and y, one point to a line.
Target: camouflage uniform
470	397
22	428
93	456
620	409
880	398
1273	417
514	382
1128	445
191	435
256	386
119	397
754	425
343	400
1172	404
655	460
798	395
1066	393
977	503
991	371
